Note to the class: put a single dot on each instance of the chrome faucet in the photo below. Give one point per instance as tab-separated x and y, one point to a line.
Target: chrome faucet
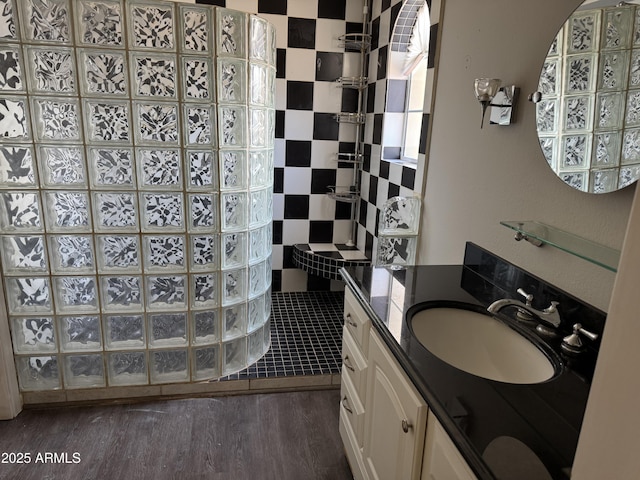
549	315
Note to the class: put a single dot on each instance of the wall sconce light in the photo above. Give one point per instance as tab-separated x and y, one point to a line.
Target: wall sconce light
502	100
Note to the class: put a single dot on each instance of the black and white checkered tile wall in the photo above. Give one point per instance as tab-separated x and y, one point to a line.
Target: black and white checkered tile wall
308	137
383	179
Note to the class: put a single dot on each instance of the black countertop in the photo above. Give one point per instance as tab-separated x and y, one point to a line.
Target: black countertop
543	418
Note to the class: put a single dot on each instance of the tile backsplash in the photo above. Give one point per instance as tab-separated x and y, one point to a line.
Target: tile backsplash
507	278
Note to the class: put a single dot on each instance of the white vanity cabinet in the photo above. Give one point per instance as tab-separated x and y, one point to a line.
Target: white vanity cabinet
395	419
383	418
355	343
442	460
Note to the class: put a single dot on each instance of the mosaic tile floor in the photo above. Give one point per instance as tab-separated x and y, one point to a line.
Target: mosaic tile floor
306	336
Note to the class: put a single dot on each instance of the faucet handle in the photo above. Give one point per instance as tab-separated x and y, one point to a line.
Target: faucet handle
573	343
522	314
527	296
552	308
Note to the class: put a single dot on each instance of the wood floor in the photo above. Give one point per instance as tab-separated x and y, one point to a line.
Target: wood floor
277	436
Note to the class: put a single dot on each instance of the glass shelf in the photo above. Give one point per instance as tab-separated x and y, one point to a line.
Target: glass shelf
605	257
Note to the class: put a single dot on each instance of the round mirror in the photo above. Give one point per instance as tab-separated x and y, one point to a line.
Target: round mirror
588	115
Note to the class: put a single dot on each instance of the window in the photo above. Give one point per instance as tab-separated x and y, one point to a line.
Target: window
413	112
406	83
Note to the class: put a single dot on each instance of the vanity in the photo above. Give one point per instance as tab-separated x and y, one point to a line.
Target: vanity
408	414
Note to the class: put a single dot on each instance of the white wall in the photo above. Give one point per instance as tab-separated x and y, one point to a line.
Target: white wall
476	178
609	436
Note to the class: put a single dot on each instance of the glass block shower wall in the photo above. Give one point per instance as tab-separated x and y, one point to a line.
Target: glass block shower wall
136	162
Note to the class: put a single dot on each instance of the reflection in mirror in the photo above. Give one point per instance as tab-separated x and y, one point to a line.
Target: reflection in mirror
588	118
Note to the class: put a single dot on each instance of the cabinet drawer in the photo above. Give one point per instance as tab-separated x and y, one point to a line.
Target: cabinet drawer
354	365
351	408
356	321
351	448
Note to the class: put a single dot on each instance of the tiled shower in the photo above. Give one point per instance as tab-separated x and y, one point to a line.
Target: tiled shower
308	59
135	238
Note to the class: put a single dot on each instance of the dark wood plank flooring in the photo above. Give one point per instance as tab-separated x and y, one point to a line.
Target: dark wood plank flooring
278	436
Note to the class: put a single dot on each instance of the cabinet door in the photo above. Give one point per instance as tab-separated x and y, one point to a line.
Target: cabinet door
395	419
442	460
350	404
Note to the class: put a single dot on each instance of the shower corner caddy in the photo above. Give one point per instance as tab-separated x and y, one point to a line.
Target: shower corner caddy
347	194
349	117
358	42
355	83
353	158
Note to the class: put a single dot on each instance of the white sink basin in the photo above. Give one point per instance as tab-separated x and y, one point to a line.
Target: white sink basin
480	344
